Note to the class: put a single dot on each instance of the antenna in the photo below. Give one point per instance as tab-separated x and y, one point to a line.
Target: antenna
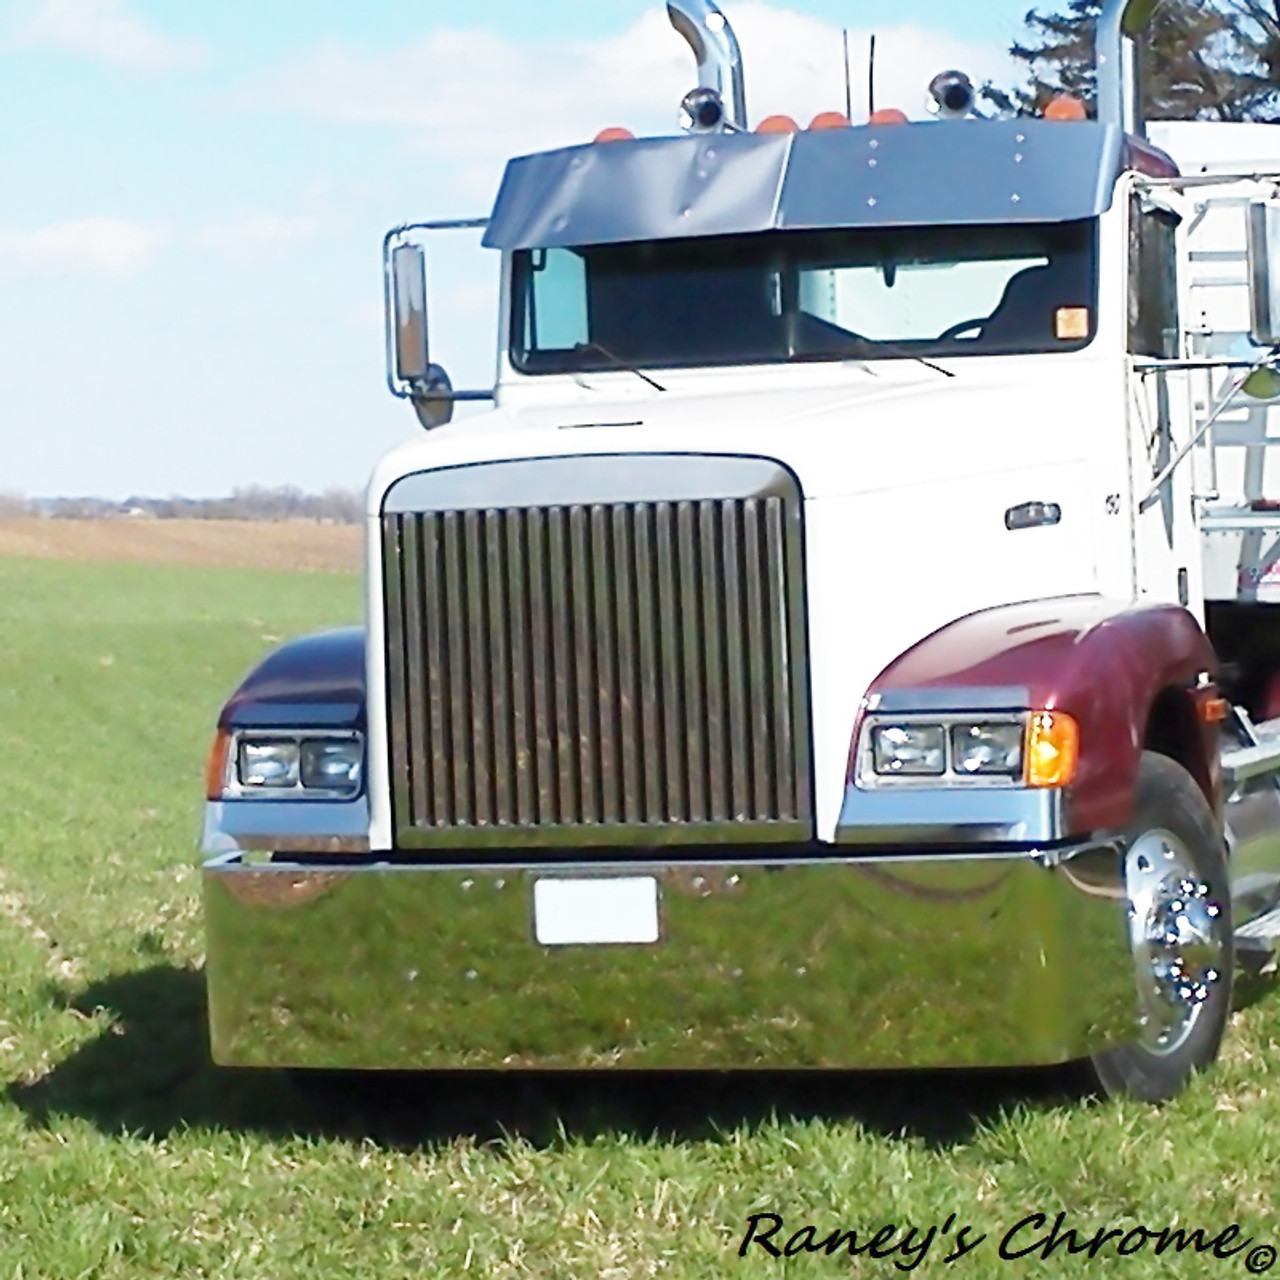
848	80
871	77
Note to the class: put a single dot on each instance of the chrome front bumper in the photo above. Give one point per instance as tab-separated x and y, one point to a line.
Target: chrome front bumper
851	962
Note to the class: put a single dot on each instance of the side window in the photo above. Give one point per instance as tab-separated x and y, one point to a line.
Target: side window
555	316
1153	282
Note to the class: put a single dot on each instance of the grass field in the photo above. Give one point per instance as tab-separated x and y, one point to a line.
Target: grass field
124	1154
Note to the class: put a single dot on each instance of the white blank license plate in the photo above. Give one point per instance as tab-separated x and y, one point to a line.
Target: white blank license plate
600	910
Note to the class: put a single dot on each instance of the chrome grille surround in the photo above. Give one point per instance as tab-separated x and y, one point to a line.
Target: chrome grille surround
624	663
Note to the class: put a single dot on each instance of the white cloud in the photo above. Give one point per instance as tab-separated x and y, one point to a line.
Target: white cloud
254	237
100	246
474	98
106	31
104	246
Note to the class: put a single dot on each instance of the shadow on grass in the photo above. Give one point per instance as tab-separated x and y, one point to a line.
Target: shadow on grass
151	1074
1253	984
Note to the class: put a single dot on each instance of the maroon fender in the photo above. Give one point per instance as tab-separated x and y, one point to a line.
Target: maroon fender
1105	663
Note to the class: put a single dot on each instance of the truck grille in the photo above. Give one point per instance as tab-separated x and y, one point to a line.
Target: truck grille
615	672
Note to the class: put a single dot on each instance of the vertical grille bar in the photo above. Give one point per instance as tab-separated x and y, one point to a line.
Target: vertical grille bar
501	660
712	578
643	570
607	693
758	662
738	733
586	629
524	747
669	674
543	691
481	643
599	672
435	661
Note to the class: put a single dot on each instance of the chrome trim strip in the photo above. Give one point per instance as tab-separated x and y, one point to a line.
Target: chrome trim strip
950	815
958	699
286	826
595	479
980	960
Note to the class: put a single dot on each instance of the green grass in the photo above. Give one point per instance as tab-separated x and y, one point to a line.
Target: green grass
124	1154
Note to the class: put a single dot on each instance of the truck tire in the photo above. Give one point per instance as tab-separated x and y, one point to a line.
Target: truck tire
1180	932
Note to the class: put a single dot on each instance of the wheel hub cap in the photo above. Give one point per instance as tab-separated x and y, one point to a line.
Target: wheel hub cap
1177	936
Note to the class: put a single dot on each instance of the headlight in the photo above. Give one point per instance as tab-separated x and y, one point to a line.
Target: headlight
267	764
950	749
909	749
332	765
987	749
304	766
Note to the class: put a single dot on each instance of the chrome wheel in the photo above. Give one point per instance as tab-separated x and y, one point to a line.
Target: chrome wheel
1179	939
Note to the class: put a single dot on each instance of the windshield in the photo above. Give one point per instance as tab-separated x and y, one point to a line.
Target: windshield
811	295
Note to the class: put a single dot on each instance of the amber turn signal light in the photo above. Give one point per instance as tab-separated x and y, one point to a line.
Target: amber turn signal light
215	774
1053	749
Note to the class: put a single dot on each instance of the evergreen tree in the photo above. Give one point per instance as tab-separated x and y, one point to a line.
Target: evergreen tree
1202	61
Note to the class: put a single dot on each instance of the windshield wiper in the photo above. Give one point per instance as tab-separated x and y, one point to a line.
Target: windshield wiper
862	347
890	349
619	362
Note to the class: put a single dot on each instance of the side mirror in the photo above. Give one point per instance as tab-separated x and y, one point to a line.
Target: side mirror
432	398
409	312
1264	273
427	384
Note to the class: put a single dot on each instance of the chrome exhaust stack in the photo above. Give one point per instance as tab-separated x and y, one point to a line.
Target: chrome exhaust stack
719	103
1119	61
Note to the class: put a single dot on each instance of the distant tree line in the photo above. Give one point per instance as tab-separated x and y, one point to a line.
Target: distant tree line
1202	59
256	502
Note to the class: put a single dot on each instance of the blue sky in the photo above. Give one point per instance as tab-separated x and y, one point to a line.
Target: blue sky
193	198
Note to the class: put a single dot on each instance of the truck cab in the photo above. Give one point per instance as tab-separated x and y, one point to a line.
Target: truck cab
844	643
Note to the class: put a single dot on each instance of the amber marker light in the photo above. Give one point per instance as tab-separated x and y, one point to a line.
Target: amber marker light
888	115
1053	749
1214	710
615	133
830	120
215	774
1070	324
1065	107
777	124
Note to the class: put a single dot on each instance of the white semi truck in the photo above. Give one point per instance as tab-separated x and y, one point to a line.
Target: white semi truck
849	641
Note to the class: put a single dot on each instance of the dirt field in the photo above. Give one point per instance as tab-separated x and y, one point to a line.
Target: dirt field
293	544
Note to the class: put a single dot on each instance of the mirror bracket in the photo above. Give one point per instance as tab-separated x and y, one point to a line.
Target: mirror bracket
411	374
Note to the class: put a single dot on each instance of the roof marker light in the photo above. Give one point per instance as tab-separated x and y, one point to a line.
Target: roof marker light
614	133
888	115
777	124
830	120
1065	107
